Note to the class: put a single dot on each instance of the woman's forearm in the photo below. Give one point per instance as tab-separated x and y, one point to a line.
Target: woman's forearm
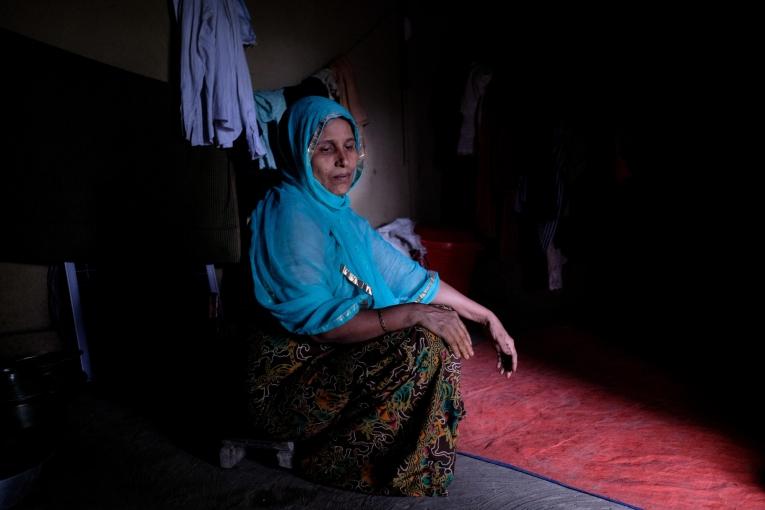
367	324
463	305
507	361
445	323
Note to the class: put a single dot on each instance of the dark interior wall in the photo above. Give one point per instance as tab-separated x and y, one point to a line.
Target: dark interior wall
442	42
132	36
96	169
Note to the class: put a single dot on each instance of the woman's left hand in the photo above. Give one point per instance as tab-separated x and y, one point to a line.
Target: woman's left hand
507	357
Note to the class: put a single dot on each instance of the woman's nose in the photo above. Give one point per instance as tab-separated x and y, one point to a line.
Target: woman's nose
342	159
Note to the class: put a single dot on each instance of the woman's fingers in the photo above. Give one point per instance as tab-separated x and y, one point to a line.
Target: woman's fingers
507	357
447	324
467	341
459	341
457	348
512	352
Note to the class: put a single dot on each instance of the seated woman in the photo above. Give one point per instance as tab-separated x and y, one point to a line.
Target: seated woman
363	371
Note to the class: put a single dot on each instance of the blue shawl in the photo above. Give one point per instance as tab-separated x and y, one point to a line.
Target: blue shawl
315	262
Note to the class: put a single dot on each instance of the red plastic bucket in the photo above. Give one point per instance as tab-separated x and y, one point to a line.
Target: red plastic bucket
452	253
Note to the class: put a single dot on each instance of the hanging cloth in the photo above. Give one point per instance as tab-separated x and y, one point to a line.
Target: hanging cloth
217	102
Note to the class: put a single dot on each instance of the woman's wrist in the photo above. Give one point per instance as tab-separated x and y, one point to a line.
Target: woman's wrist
413	315
381	320
490	319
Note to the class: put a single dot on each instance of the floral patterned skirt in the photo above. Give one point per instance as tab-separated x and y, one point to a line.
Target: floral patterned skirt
377	417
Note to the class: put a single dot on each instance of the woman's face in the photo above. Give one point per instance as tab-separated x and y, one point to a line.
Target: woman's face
335	157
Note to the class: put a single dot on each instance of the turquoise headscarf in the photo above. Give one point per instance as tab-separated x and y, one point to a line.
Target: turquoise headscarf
315	262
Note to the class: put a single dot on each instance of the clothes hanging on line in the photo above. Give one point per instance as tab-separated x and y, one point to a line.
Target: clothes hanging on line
340	81
217	102
271	107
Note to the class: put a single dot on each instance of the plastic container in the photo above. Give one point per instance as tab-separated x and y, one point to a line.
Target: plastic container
452	253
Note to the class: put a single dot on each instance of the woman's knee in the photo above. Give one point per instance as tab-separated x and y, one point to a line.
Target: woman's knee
430	346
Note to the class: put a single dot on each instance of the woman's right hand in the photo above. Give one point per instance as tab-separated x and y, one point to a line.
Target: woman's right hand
446	323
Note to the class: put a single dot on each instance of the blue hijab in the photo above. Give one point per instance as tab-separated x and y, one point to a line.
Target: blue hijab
315	262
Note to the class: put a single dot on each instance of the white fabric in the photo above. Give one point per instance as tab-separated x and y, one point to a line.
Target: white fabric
400	233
